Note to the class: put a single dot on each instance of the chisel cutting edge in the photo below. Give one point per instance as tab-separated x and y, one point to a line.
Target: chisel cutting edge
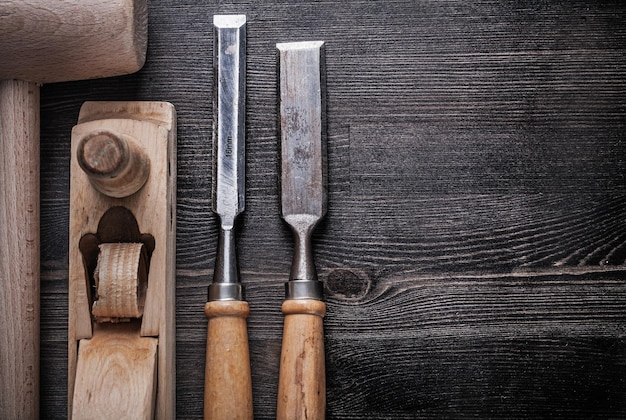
302	379
228	386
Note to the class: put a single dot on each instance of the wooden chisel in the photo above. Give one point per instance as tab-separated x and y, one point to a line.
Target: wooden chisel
228	385
302	379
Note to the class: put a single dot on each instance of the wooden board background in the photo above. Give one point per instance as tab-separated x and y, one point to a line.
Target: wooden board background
474	247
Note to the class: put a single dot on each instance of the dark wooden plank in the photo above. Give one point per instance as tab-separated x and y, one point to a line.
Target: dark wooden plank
426	159
548	345
478	347
475	232
474	247
559	377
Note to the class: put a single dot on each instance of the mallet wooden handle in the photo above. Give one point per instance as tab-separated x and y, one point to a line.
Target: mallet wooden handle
19	257
227	383
302	381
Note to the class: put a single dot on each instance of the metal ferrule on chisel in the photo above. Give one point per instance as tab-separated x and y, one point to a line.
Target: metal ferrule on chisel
228	149
303	156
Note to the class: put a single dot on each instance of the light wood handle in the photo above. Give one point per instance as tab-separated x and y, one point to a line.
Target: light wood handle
19	257
227	381
302	381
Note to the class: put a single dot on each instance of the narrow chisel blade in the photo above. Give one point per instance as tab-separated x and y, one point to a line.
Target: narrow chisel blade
227	377
229	58
229	117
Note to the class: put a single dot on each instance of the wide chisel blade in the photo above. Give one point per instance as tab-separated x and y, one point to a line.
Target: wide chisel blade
303	149
302	379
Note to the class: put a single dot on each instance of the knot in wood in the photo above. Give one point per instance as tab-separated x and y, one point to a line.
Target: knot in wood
347	284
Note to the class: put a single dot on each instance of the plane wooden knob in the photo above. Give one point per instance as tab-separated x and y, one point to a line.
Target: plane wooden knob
116	166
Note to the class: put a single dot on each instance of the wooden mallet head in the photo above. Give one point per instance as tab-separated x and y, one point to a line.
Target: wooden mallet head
47	41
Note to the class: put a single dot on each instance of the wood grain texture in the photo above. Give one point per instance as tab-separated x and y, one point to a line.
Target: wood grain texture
481	275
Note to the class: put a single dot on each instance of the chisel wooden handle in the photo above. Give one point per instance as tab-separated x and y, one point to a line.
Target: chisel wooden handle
302	381
227	381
